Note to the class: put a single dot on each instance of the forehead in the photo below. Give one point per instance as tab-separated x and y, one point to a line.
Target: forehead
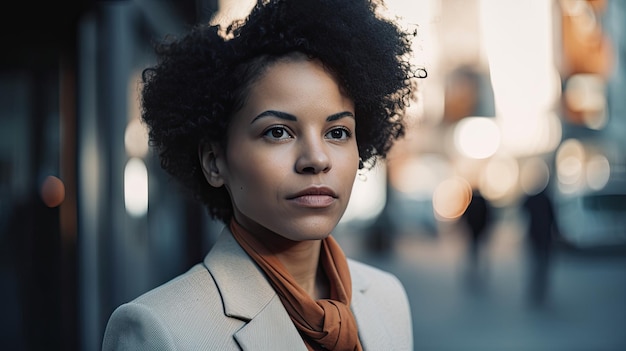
294	81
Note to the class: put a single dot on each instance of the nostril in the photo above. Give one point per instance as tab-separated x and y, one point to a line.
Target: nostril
308	170
313	160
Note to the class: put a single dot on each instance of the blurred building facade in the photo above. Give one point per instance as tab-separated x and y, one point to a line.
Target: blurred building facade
74	244
90	221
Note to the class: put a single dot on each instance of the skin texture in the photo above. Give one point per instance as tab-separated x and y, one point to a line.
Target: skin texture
290	162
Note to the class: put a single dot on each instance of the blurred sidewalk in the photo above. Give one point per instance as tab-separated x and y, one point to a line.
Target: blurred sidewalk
585	309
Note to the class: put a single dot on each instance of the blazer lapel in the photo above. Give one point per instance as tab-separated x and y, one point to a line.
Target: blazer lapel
271	329
372	333
247	295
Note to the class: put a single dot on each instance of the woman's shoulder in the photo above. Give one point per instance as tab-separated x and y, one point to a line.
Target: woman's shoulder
184	288
184	310
192	297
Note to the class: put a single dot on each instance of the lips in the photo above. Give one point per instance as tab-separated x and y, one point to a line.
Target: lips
314	197
314	191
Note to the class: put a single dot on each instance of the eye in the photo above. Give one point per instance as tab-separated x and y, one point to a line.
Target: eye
339	134
277	133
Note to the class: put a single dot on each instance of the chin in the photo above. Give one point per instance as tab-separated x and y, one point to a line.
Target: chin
312	230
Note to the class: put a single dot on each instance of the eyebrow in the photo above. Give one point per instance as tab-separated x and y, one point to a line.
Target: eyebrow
290	117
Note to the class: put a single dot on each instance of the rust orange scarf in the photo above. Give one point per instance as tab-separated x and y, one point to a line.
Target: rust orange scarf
325	323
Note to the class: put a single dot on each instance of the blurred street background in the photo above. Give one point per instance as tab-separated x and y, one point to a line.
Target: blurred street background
584	309
502	211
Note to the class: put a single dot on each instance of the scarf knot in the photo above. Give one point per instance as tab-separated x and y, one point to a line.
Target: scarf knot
338	326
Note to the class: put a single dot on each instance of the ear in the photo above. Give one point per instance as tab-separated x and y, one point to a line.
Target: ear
208	159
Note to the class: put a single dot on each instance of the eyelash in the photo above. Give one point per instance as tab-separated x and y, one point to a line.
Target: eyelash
267	133
345	130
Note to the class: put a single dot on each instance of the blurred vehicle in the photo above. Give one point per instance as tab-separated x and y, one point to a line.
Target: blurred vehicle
590	193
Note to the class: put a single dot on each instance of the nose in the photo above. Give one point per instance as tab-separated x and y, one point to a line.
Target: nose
313	157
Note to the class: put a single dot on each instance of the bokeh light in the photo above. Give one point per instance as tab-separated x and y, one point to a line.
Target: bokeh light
534	175
499	178
451	198
477	137
598	172
52	191
369	194
136	187
136	139
585	99
569	166
417	177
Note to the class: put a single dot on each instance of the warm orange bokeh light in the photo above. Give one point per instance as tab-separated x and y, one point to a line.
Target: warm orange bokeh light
451	197
52	191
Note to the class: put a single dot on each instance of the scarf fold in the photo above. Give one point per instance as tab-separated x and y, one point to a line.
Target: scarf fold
326	323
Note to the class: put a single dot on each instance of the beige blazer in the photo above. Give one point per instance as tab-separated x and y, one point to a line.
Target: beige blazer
226	303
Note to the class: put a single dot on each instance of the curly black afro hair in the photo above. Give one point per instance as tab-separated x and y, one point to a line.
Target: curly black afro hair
201	79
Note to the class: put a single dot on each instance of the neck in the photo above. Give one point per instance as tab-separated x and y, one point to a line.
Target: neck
300	258
302	262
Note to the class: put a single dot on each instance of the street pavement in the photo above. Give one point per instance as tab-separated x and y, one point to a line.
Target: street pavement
585	307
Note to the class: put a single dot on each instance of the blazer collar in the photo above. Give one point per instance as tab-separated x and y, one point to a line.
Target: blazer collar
267	323
360	281
266	319
234	273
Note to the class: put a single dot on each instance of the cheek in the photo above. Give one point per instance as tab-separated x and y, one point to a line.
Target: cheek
253	171
349	165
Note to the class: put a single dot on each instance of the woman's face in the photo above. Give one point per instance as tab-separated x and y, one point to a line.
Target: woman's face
292	156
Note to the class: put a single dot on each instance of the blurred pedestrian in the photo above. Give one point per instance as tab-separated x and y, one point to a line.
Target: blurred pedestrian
541	229
540	239
476	218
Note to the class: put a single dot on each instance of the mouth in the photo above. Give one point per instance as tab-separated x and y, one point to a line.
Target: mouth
314	197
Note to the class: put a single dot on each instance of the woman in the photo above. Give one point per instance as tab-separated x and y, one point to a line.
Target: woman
267	123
